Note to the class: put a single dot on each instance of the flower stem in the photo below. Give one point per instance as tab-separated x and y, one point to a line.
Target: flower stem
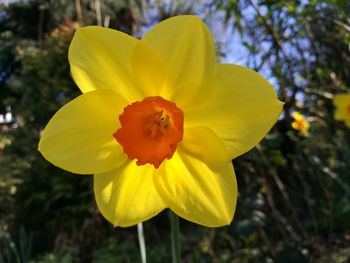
175	237
142	244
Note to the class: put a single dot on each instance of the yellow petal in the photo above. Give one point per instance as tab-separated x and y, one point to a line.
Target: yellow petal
305	132
295	125
127	196
187	48
199	183
297	116
342	102
100	58
340	114
347	122
241	110
149	69
79	137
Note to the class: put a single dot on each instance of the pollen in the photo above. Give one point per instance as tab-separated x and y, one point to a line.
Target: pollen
159	122
150	130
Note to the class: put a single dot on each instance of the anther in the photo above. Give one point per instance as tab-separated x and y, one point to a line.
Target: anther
158	122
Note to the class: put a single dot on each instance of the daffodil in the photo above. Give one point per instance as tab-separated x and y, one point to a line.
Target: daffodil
159	122
300	123
342	104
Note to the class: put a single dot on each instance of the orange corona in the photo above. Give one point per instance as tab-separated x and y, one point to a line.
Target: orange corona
150	130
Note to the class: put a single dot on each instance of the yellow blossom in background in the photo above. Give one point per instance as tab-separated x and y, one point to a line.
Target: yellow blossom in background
342	104
159	122
300	123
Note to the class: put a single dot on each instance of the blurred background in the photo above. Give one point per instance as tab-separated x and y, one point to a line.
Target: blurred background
293	204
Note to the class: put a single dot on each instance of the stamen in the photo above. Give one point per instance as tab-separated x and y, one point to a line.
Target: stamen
158	122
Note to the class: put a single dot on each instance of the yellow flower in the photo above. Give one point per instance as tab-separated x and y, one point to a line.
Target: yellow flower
342	104
159	122
300	123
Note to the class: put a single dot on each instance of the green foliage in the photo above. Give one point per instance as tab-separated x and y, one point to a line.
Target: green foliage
112	252
12	252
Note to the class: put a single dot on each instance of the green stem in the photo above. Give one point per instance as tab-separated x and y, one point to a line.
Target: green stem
175	237
142	244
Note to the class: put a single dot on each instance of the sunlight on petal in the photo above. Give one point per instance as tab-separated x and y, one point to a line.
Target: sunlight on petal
241	110
187	47
199	183
126	195
79	137
100	58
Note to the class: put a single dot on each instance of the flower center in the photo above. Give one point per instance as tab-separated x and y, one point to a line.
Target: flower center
158	122
348	110
150	130
300	123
